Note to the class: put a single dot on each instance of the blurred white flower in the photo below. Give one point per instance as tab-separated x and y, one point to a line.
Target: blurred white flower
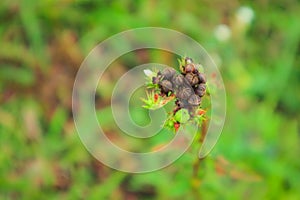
245	15
222	32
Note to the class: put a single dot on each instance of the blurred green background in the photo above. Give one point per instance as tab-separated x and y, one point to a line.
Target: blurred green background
256	45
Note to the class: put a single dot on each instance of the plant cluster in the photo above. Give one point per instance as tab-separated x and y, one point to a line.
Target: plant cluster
187	88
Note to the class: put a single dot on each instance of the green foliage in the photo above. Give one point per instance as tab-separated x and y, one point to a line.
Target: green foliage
44	42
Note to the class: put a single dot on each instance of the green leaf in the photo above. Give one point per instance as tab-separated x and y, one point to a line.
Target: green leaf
182	116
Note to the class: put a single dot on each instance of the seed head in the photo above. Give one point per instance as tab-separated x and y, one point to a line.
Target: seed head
168	73
192	79
166	86
201	89
184	93
189	68
178	80
194	100
202	78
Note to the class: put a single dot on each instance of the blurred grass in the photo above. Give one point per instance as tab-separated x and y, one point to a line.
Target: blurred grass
42	45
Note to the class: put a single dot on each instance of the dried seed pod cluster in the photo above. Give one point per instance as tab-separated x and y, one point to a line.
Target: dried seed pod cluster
196	81
187	87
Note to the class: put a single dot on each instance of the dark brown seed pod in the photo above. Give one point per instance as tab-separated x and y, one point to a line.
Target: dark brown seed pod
194	100
166	86
202	78
168	73
178	80
184	93
189	68
192	79
201	89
